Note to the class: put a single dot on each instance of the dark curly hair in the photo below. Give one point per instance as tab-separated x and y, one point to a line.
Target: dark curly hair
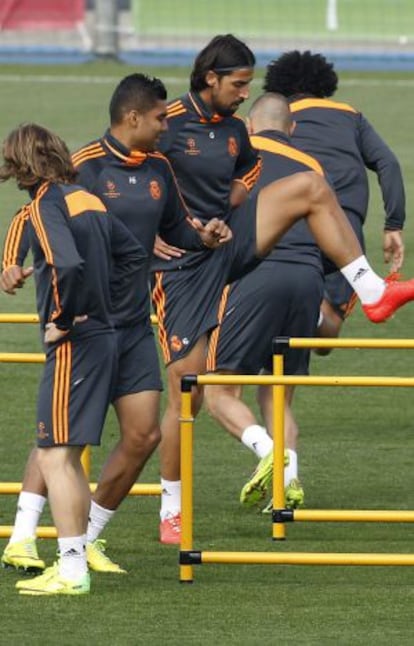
301	73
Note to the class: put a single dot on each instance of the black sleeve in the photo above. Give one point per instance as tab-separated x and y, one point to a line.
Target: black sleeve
55	237
16	243
379	158
249	163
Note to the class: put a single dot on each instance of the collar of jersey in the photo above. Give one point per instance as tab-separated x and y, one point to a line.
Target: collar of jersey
129	157
275	135
202	110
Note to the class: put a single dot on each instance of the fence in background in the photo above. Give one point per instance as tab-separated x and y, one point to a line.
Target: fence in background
374	32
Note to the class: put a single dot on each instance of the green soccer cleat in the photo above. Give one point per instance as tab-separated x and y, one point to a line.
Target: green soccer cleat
294	497
23	555
98	561
50	582
294	494
256	488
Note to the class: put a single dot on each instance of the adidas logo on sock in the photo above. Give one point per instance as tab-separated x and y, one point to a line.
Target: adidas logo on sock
361	272
71	552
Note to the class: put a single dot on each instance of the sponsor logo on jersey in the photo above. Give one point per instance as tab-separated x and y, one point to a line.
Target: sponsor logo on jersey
191	147
232	147
111	191
155	189
175	343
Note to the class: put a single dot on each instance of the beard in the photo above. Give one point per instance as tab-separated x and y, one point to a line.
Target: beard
227	111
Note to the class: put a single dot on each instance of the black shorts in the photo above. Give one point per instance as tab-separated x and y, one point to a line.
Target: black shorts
276	299
187	300
75	390
138	364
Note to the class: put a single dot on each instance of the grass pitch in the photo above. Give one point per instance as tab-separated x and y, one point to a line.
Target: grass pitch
356	451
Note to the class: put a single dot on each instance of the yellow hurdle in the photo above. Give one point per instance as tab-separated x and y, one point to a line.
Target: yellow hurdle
190	556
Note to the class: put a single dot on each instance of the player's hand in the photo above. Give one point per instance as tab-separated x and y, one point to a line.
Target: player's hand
213	234
166	251
393	247
53	334
14	278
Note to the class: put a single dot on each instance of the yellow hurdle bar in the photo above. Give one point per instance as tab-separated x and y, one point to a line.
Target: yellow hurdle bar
186	450
22	357
353	515
373	344
278	529
140	489
305	558
270	380
41	532
33	318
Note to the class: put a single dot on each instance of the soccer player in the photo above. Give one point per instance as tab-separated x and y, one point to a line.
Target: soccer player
281	297
139	188
204	139
72	238
346	144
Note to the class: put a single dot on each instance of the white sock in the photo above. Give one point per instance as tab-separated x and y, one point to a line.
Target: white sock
368	286
256	439
170	498
72	557
29	509
291	470
99	517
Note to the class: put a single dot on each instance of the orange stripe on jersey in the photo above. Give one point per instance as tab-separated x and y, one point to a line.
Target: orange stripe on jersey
250	179
61	393
263	143
175	104
305	104
38	224
44	243
93	150
14	236
80	201
176	110
214	337
158	296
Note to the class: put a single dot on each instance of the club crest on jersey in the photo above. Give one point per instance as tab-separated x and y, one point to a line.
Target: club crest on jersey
175	343
111	191
191	147
232	147
155	189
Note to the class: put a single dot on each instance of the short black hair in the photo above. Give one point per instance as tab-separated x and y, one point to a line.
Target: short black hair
135	92
223	55
297	72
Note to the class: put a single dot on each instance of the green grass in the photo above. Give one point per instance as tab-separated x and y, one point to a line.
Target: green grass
371	19
356	449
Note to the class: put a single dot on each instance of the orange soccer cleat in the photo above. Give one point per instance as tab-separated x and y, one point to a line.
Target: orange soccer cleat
396	294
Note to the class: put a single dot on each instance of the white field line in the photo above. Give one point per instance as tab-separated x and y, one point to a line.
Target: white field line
175	80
